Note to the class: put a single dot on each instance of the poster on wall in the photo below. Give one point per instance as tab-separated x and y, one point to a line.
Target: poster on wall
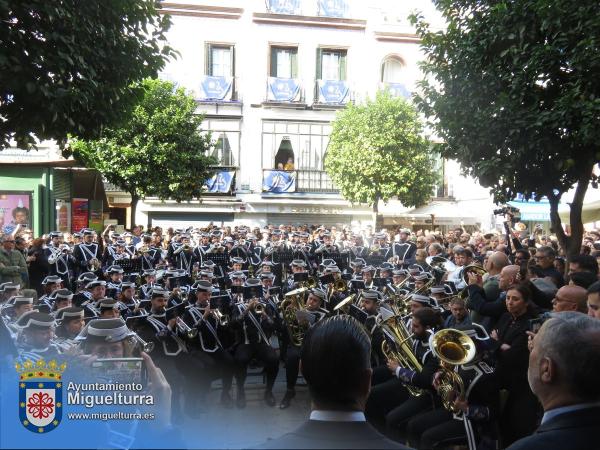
63	216
96	221
15	210
79	214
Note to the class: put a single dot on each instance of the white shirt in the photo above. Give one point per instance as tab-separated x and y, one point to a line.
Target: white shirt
338	416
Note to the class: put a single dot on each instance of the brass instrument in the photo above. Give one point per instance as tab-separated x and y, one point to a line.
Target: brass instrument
94	265
184	328
289	306
400	347
340	285
311	283
344	306
453	348
146	346
144	249
223	319
423	290
439	262
258	308
471	268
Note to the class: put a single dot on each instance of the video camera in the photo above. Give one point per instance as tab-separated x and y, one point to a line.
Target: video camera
510	211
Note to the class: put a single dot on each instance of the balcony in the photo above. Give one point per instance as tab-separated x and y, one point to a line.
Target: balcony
331	94
315	181
291	181
284	92
396	89
218	89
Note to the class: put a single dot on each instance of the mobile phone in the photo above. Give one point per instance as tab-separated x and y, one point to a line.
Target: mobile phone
536	324
121	370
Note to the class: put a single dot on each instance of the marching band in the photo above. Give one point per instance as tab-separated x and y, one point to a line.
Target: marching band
213	303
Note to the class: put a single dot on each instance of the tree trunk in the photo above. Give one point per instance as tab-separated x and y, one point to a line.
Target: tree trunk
134	201
377	219
571	244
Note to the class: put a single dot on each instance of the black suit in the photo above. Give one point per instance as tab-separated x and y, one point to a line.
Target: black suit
325	434
576	430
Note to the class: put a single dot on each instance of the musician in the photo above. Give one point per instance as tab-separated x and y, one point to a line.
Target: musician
115	278
254	331
71	322
368	273
390	402
237	264
59	259
370	305
409	255
473	417
20	306
149	277
184	257
207	347
8	290
87	254
95	290
462	257
108	308
63	298
170	352
356	268
50	284
298	266
34	341
327	247
313	307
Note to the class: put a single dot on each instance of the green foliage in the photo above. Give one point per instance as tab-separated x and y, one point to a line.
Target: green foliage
377	151
68	66
158	151
512	89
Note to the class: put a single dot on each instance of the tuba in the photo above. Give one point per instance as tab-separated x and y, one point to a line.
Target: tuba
453	348
397	346
289	306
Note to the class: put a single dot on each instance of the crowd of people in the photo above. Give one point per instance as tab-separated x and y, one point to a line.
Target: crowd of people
454	322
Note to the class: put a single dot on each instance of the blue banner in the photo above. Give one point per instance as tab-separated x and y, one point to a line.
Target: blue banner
333	91
333	8
283	89
216	88
398	90
284	6
278	181
220	182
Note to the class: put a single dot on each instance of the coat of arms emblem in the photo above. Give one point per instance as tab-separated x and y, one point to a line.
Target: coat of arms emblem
40	395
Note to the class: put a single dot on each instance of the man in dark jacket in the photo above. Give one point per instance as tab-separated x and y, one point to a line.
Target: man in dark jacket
563	374
335	361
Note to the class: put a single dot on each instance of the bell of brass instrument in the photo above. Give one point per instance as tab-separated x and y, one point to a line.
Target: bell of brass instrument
453	348
146	346
183	327
223	319
471	268
344	306
397	346
94	265
258	308
340	285
289	306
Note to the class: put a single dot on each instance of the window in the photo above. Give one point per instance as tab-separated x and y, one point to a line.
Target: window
226	140
219	60
392	70
331	64
284	62
304	143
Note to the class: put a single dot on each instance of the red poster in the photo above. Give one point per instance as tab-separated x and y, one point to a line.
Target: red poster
79	214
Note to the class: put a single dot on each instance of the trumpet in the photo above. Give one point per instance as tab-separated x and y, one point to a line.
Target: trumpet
223	319
258	308
146	346
340	285
184	328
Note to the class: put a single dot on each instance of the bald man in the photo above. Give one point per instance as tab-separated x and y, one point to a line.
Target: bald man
570	298
488	310
494	265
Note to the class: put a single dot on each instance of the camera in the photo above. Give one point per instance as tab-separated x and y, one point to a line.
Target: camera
514	213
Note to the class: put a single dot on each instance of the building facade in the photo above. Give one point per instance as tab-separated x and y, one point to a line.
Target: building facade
269	76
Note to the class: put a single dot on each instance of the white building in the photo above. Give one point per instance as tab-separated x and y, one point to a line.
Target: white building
269	77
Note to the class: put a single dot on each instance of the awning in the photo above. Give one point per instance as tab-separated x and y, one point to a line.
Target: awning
443	212
533	211
590	213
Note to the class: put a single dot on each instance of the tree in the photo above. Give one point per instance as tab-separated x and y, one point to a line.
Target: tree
512	89
158	151
67	67
377	151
